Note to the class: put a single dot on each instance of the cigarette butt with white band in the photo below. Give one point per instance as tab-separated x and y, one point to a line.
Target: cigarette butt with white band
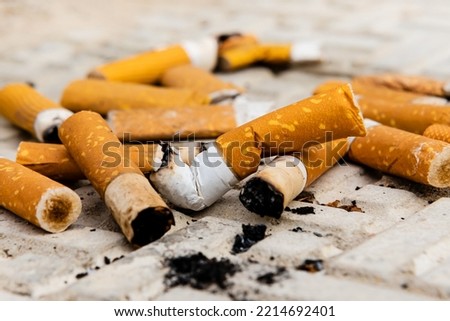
401	153
199	80
242	56
237	153
149	66
54	161
284	178
140	212
166	123
102	96
26	108
416	84
36	198
439	132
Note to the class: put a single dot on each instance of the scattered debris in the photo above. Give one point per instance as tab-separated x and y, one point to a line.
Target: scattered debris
305	210
198	271
348	208
357	188
311	266
297	229
271	277
306	197
106	260
92	230
81	275
251	235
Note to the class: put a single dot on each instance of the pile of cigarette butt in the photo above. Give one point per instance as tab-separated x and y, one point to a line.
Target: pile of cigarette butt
160	127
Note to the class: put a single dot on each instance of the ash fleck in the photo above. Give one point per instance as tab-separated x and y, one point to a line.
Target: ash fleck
198	271
348	208
306	197
297	229
305	210
270	278
251	235
81	275
107	260
311	266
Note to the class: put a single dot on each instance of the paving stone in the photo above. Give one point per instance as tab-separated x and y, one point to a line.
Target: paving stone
410	249
299	285
340	181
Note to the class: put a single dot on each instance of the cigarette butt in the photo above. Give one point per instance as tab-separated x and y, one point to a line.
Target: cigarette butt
416	84
137	208
166	123
237	153
409	111
26	108
411	117
102	96
149	66
397	152
288	129
233	40
199	80
439	132
54	161
36	198
283	179
242	56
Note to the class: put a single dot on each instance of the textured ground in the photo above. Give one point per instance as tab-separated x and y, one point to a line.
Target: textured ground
398	248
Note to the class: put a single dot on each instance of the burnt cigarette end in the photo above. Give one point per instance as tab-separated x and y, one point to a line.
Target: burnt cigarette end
151	224
261	197
50	135
226	36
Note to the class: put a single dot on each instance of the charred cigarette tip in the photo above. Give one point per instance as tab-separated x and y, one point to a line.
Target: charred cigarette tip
57	209
96	74
50	135
151	224
261	197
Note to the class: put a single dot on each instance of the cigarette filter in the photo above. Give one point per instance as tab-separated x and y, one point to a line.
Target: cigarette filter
292	128
409	111
36	198
237	153
137	208
199	80
26	108
439	132
54	161
397	152
166	123
416	84
148	67
103	96
283	179
242	56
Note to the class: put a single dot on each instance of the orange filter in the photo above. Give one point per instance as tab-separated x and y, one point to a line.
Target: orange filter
137	208
439	132
201	81
416	84
283	179
167	123
397	152
54	161
103	96
149	66
291	129
36	198
233	40
26	108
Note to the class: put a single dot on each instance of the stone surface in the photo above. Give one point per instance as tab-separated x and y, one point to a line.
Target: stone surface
395	249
